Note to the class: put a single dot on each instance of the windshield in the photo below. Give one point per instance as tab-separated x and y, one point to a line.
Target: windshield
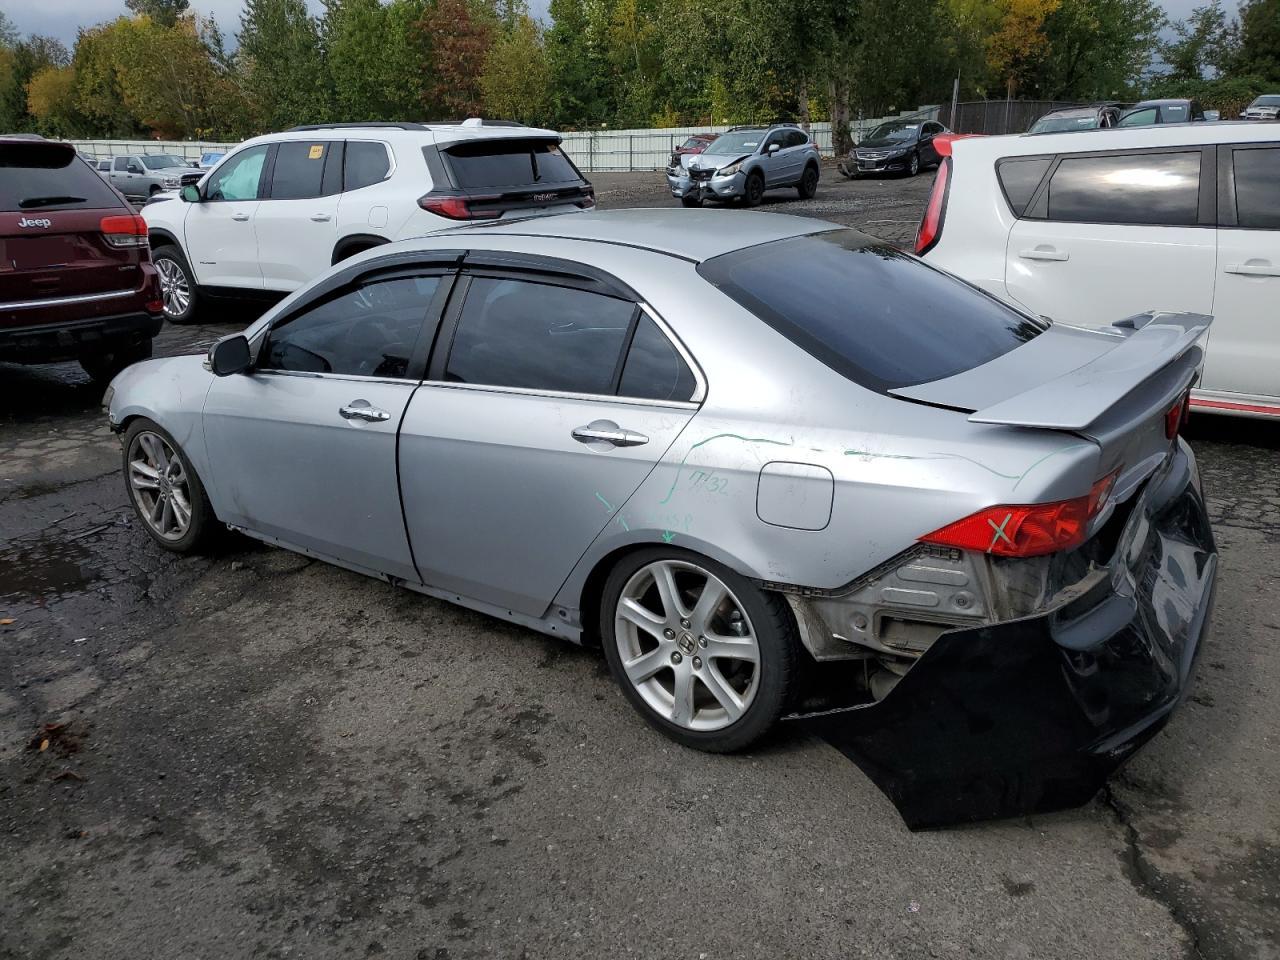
867	310
733	144
1056	123
1270	101
693	143
897	132
159	161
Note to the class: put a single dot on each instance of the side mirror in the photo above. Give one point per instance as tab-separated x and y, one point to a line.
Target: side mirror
230	355
774	147
191	193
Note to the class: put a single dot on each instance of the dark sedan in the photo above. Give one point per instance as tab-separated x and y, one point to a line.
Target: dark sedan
899	146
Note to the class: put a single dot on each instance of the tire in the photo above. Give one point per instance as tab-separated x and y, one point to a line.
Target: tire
155	188
174	487
723	708
178	287
808	185
691	202
103	366
755	190
914	167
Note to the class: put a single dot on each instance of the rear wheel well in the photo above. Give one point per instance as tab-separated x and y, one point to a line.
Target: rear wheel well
593	589
356	243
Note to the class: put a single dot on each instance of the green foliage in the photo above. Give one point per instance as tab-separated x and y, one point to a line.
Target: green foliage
1228	95
163	12
1259	50
456	35
517	77
281	64
374	59
1201	44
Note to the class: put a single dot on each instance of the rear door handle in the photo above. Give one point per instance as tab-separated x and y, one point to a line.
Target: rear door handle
1254	269
242	217
321	217
363	410
606	432
1044	252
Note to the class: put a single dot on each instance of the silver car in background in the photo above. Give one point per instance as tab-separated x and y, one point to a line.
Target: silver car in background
745	162
774	467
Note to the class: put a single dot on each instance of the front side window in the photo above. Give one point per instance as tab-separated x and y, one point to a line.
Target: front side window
1139	118
538	336
239	177
1258	187
366	164
869	311
122	163
1149	188
298	173
369	331
1019	179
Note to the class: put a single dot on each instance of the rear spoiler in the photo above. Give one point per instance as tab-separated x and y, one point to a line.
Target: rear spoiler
1076	399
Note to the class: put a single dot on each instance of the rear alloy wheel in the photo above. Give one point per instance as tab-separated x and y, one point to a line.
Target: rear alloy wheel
755	190
166	493
808	185
913	166
701	652
177	289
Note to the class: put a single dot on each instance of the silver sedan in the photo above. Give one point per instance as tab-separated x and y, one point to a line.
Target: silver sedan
773	467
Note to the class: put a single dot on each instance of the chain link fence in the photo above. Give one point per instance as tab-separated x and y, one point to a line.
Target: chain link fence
998	116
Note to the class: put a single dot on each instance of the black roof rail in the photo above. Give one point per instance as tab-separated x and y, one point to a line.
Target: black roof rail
376	124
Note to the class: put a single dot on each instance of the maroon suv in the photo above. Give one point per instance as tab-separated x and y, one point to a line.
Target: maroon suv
76	280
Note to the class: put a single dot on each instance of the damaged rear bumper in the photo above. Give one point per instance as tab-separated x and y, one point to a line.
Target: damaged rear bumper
1034	714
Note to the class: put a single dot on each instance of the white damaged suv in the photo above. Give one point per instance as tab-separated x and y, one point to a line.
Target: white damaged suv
280	209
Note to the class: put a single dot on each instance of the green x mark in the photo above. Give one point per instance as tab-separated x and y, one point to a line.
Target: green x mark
1000	534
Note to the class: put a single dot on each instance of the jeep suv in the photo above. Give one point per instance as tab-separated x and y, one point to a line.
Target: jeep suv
1093	227
745	162
76	280
281	209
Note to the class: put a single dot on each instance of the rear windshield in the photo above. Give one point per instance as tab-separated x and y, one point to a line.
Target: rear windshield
509	163
872	313
36	176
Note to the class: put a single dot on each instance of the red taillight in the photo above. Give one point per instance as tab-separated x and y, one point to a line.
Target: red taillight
1027	530
457	208
935	210
588	201
1177	416
124	231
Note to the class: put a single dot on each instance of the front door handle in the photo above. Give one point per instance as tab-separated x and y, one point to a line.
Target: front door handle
605	431
321	217
242	217
1044	252
1254	269
363	410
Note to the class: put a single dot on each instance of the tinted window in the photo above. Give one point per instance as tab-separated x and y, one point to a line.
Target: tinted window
1139	118
238	178
122	163
368	332
1154	188
509	163
367	163
654	369
867	310
796	139
39	176
540	337
1177	113
1019	179
299	170
1258	187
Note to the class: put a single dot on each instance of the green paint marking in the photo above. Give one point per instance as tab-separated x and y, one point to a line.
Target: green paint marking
1017	478
667	536
719	436
623	520
607	505
1000	534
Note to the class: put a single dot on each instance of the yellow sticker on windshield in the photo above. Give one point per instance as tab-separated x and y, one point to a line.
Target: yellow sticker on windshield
316	152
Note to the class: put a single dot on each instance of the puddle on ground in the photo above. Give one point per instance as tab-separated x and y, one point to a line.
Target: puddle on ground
44	569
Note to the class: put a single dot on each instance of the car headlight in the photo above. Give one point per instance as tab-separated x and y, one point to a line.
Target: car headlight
170	181
730	170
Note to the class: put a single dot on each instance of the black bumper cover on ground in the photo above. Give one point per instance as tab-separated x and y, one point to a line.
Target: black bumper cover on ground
1033	715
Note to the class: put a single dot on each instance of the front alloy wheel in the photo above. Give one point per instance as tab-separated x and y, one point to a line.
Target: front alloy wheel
701	652
166	493
175	288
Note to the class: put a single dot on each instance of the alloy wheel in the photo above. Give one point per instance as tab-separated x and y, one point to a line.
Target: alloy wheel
687	646
158	482
175	289
915	164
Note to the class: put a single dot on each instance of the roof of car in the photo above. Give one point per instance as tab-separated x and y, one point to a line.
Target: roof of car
694	235
441	132
1192	134
1167	101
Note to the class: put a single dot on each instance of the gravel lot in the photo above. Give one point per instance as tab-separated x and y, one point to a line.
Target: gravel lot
263	756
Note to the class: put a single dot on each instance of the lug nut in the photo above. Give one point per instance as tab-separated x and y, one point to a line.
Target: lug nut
684	623
669	633
697	663
702	642
676	657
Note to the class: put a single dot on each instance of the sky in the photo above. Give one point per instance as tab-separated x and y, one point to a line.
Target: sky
62	18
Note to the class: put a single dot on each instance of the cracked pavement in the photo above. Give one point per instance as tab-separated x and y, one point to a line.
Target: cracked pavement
265	756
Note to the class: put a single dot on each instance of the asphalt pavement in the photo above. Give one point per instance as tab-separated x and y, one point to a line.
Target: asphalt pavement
252	754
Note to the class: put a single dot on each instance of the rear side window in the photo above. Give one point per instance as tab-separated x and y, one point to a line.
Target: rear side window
1148	188
1258	187
1175	113
508	163
36	176
367	164
654	369
867	310
537	336
299	170
1019	179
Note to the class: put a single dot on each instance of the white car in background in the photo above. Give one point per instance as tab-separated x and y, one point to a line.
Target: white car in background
281	209
1092	227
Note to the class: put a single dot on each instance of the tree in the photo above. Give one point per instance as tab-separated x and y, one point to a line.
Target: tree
163	12
282	65
99	97
458	35
1201	44
1019	41
376	58
1097	49
516	83
8	32
579	74
17	66
1259	50
51	100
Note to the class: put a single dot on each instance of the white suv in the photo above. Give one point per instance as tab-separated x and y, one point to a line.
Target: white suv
1092	227
281	209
